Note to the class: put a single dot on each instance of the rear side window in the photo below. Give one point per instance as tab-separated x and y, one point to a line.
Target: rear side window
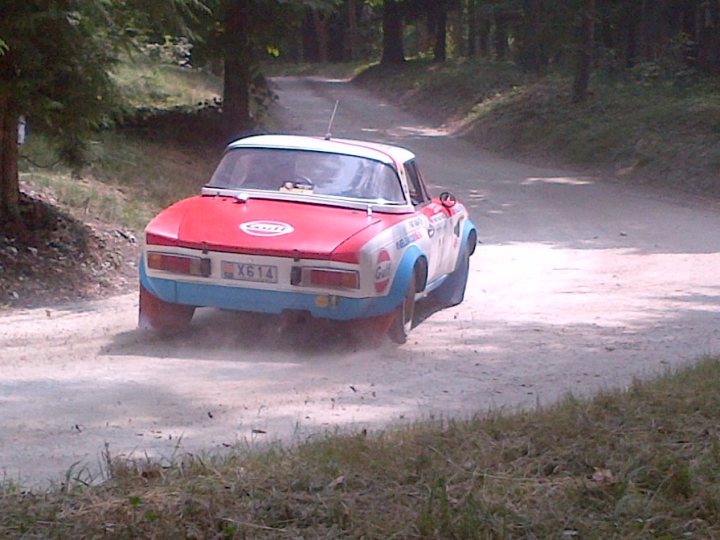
418	193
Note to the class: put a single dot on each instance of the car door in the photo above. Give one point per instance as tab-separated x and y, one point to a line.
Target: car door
435	217
444	224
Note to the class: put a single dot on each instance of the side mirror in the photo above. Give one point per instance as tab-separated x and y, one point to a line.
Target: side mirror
447	199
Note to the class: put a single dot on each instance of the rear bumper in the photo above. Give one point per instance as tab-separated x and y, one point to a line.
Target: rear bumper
326	306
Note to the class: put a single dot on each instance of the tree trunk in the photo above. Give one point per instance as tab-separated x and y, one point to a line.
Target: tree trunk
484	26
320	22
472	18
392	52
440	49
424	30
709	36
532	56
239	63
501	36
457	26
585	52
353	46
631	46
650	30
9	181
309	39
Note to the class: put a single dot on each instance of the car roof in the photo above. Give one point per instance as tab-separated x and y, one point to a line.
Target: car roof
372	150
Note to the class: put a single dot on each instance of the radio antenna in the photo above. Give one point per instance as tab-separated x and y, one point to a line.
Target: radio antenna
332	119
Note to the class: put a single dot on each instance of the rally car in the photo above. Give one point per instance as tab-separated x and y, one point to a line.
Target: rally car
334	228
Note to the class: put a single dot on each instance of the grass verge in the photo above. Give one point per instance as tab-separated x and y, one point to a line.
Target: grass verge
657	129
144	82
128	178
640	463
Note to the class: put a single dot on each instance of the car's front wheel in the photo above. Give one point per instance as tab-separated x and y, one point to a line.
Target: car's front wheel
405	315
160	316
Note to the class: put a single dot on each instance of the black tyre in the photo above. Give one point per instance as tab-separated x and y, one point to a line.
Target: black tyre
405	315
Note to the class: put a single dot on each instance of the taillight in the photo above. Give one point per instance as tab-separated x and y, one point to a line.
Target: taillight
334	278
324	277
179	264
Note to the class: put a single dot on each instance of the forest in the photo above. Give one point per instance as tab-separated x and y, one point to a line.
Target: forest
57	56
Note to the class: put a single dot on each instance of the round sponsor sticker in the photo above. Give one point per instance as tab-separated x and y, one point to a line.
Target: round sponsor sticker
266	228
383	269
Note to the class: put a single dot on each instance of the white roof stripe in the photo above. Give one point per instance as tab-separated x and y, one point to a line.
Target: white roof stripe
380	152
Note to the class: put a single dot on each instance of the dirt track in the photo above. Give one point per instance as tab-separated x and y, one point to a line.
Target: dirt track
579	284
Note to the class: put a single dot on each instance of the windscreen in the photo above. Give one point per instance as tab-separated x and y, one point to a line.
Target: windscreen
309	173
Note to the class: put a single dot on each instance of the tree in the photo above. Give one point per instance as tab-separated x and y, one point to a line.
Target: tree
585	52
240	32
532	48
708	35
440	48
353	37
55	71
392	24
501	35
240	59
473	18
440	10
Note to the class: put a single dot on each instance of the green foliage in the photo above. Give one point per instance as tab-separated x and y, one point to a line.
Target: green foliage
55	68
131	174
58	55
140	18
144	82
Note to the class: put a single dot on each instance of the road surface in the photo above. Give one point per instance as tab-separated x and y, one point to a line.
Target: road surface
580	284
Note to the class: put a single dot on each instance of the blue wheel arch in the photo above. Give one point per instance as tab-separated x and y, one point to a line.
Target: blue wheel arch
469	236
412	255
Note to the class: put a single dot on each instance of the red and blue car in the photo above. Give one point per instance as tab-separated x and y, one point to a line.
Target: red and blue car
337	229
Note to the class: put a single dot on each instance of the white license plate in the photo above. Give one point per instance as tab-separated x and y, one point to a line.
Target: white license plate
250	272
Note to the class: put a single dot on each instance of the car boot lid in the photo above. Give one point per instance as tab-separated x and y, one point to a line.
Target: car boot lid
257	226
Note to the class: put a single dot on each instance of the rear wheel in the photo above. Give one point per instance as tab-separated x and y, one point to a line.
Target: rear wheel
160	316
405	315
373	330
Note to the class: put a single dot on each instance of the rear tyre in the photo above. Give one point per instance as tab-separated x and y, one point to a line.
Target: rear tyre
405	315
372	331
160	316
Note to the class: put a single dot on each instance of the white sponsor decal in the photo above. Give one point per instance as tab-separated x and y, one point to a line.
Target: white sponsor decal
383	269
266	228
437	218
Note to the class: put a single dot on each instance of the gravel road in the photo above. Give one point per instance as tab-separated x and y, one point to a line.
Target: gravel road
579	284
